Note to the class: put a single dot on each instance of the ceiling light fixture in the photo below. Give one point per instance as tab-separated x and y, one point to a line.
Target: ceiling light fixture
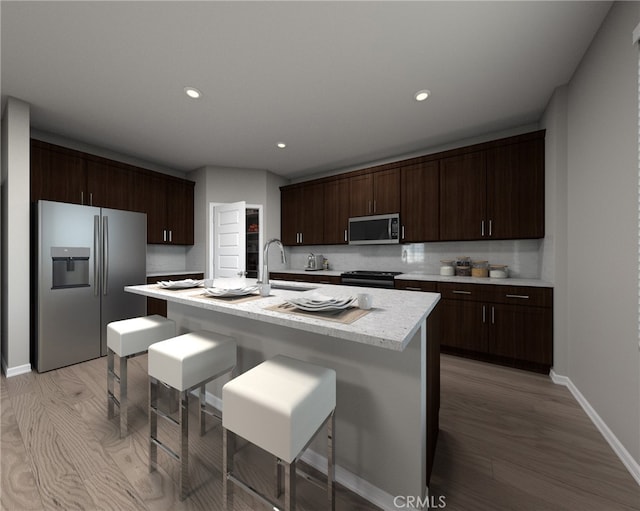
421	95
281	145
192	92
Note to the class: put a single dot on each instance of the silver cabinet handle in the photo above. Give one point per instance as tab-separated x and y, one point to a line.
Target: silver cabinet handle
91	199
301	237
164	235
374	206
524	297
490	228
493	315
82	198
457	292
482	228
345	235
170	235
403	232
484	313
413	288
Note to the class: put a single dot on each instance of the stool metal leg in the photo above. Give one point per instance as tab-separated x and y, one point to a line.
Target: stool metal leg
153	424
184	443
228	452
279	485
290	486
123	397
331	456
201	411
110	378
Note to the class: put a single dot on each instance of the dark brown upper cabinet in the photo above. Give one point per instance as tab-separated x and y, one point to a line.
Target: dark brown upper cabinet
336	212
420	202
375	193
301	214
495	193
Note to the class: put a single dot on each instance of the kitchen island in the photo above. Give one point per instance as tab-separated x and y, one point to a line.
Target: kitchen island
382	366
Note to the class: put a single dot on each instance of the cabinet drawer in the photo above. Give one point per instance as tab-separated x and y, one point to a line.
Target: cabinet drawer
454	291
520	295
417	285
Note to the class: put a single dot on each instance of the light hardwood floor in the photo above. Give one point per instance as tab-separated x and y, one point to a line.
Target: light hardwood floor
513	440
509	440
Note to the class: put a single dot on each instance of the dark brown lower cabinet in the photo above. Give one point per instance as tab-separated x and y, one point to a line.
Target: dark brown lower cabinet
508	325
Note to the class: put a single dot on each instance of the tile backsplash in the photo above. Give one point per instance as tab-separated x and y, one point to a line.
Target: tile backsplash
522	256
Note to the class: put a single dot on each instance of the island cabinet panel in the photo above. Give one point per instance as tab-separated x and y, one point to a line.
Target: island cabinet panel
463	199
302	213
375	193
416	285
336	212
57	174
420	202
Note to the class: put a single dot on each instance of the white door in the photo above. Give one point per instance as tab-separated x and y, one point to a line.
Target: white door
229	245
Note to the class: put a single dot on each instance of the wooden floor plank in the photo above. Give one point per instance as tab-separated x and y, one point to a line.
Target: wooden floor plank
509	440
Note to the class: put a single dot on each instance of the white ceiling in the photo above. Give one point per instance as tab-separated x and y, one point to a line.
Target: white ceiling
334	80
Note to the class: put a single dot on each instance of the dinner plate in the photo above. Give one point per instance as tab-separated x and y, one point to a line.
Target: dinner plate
222	292
179	284
320	303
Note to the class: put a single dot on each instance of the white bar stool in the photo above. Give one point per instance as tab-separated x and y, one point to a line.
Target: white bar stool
184	363
279	406
129	338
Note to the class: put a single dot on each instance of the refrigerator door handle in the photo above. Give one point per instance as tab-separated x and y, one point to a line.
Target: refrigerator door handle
105	254
96	253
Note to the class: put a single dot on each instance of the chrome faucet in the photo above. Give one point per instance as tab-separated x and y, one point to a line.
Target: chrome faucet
264	278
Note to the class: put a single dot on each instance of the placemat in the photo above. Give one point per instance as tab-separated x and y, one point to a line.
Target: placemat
345	316
232	299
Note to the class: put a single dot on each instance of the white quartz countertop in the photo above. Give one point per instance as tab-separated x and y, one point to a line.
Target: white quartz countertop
474	280
430	277
177	272
391	323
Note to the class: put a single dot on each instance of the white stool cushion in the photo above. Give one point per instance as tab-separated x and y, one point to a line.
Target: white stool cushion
279	404
189	359
130	336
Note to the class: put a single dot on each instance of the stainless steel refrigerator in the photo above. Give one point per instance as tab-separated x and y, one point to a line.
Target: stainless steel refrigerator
85	257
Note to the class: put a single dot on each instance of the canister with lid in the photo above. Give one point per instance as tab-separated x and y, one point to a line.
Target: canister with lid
498	271
447	268
480	269
463	267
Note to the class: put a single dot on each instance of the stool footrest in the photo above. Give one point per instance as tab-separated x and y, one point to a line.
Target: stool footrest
249	489
113	374
114	399
322	484
164	415
166	449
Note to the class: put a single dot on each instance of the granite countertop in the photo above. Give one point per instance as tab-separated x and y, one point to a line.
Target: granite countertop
391	323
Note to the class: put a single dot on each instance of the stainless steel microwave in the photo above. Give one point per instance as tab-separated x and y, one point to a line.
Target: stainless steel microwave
374	230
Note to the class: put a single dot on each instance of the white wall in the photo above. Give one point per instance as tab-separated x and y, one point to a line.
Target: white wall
554	246
602	224
217	184
15	237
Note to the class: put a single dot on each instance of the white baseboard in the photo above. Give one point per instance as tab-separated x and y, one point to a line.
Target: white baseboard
349	480
631	464
15	371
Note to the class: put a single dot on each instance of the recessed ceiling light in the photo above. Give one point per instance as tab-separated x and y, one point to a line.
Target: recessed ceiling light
421	95
281	145
192	92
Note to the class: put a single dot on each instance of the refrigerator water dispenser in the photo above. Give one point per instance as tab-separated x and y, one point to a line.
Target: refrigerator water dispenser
70	267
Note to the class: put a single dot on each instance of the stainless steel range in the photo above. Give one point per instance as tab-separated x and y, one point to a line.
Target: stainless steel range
369	278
